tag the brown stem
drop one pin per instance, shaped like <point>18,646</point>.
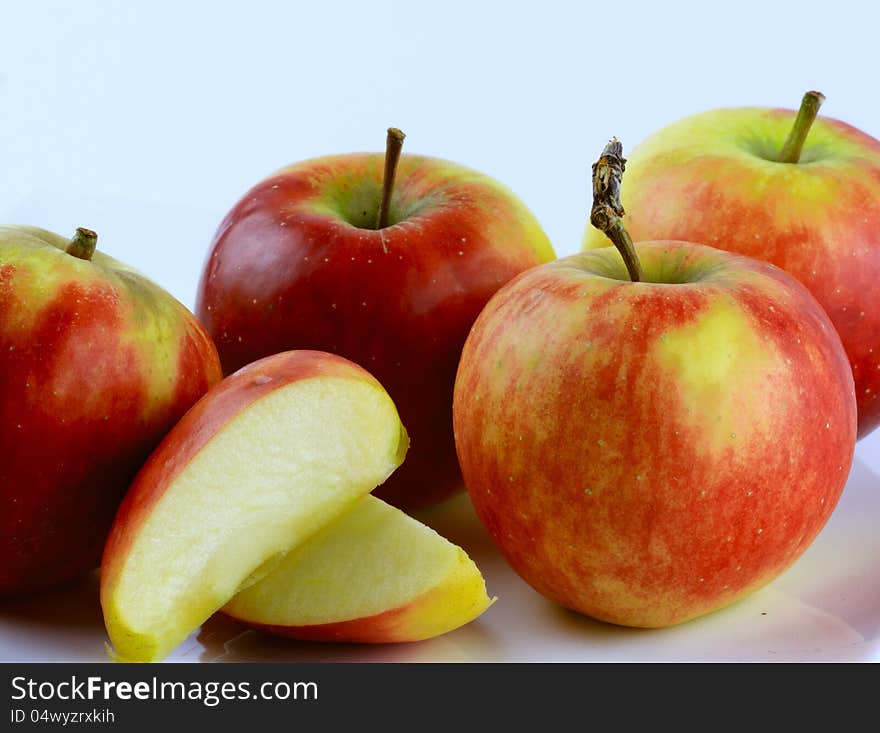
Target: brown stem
<point>393,146</point>
<point>83,244</point>
<point>794,144</point>
<point>607,212</point>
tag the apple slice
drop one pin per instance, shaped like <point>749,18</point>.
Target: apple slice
<point>373,575</point>
<point>265,459</point>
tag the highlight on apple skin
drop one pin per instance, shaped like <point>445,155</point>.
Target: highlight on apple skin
<point>301,262</point>
<point>719,178</point>
<point>647,452</point>
<point>269,456</point>
<point>97,363</point>
<point>375,575</point>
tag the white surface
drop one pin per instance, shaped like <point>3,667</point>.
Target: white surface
<point>146,121</point>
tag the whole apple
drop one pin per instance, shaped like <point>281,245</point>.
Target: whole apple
<point>647,452</point>
<point>303,262</point>
<point>775,185</point>
<point>96,364</point>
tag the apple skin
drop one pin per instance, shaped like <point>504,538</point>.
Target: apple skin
<point>710,178</point>
<point>645,453</point>
<point>291,267</point>
<point>96,364</point>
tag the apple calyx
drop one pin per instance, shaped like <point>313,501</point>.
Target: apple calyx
<point>83,244</point>
<point>607,212</point>
<point>393,146</point>
<point>794,144</point>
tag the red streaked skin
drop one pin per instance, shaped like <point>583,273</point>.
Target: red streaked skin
<point>96,365</point>
<point>393,626</point>
<point>708,179</point>
<point>647,453</point>
<point>211,413</point>
<point>286,270</point>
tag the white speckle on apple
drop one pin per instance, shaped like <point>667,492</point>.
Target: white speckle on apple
<point>326,259</point>
<point>364,303</point>
<point>827,425</point>
<point>749,492</point>
<point>760,530</point>
<point>600,442</point>
<point>701,580</point>
<point>369,262</point>
<point>464,239</point>
<point>460,253</point>
<point>283,224</point>
<point>333,306</point>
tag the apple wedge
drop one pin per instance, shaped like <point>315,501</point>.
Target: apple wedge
<point>266,458</point>
<point>374,575</point>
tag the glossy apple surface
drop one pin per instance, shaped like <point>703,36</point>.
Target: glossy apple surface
<point>713,178</point>
<point>96,364</point>
<point>375,575</point>
<point>645,453</point>
<point>297,264</point>
<point>266,458</point>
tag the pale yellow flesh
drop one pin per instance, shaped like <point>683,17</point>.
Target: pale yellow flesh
<point>374,559</point>
<point>278,472</point>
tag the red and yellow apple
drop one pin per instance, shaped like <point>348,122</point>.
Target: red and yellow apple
<point>300,262</point>
<point>266,458</point>
<point>720,178</point>
<point>647,452</point>
<point>96,364</point>
<point>375,575</point>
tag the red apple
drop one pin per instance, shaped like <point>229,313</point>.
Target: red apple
<point>96,364</point>
<point>722,178</point>
<point>647,452</point>
<point>300,263</point>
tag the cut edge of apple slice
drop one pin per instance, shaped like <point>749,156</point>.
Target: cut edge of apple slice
<point>374,575</point>
<point>283,467</point>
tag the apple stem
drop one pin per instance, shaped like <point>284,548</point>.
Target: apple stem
<point>83,244</point>
<point>607,212</point>
<point>393,146</point>
<point>794,144</point>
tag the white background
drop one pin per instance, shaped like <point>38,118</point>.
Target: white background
<point>147,120</point>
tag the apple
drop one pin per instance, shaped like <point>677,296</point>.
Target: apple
<point>374,575</point>
<point>774,185</point>
<point>645,452</point>
<point>96,364</point>
<point>267,457</point>
<point>301,262</point>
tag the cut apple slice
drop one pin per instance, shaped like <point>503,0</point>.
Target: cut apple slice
<point>265,459</point>
<point>373,575</point>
